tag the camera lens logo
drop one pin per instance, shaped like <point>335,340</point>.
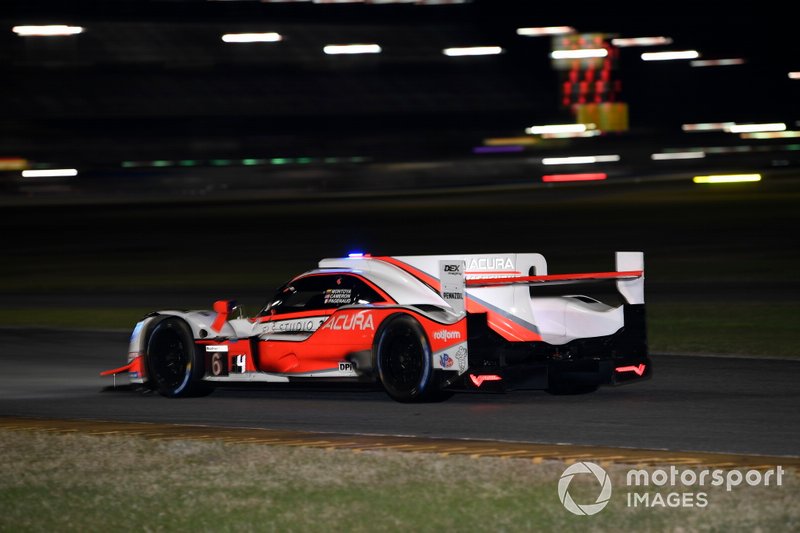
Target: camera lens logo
<point>590,508</point>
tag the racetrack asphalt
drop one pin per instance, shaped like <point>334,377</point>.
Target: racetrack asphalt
<point>731,405</point>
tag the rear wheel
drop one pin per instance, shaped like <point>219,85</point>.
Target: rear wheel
<point>173,363</point>
<point>403,359</point>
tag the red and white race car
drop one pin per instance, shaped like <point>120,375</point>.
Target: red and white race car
<point>422,326</point>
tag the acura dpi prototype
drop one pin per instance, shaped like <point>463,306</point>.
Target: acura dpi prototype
<point>421,326</point>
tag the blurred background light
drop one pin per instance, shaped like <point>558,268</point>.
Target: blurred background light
<point>668,56</point>
<point>52,30</point>
<point>557,128</point>
<point>572,135</point>
<point>794,75</point>
<point>269,37</point>
<point>717,62</point>
<point>663,156</point>
<point>580,160</point>
<point>589,176</point>
<point>337,49</point>
<point>770,134</point>
<point>546,30</point>
<point>50,173</point>
<point>707,126</point>
<point>641,41</point>
<point>581,53</point>
<point>472,51</point>
<point>13,163</point>
<point>727,178</point>
<point>510,148</point>
<point>750,128</point>
<point>504,141</point>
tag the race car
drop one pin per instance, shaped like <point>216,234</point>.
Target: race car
<point>423,327</point>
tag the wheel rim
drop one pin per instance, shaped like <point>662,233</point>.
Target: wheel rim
<point>404,360</point>
<point>170,358</point>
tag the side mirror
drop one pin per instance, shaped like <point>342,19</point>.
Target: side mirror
<point>223,308</point>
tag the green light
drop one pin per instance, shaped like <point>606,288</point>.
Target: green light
<point>188,162</point>
<point>251,162</point>
<point>129,164</point>
<point>220,162</point>
<point>331,160</point>
<point>280,160</point>
<point>304,160</point>
<point>358,159</point>
<point>162,163</point>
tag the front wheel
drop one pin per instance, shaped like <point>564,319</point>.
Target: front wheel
<point>173,363</point>
<point>404,362</point>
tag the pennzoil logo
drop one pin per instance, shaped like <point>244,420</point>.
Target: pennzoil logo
<point>349,322</point>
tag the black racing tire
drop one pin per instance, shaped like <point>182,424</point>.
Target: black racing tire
<point>175,367</point>
<point>404,363</point>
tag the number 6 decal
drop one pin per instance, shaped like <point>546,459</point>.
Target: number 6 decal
<point>216,364</point>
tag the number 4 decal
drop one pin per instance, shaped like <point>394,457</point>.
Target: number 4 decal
<point>240,361</point>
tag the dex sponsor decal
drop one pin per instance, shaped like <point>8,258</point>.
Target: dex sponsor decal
<point>662,487</point>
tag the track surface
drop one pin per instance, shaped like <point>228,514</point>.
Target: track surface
<point>703,404</point>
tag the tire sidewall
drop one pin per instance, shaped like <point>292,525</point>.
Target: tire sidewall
<point>425,385</point>
<point>190,384</point>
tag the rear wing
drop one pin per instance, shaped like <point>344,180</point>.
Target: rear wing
<point>629,276</point>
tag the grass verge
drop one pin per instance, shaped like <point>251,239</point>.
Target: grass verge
<point>743,328</point>
<point>83,483</point>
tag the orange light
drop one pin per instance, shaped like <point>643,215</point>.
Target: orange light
<point>13,163</point>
